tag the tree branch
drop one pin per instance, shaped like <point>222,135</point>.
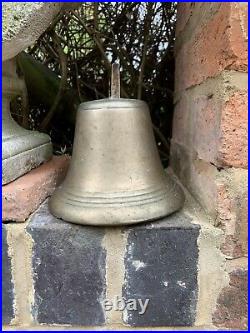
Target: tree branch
<point>63,82</point>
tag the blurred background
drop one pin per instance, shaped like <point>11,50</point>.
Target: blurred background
<point>71,63</point>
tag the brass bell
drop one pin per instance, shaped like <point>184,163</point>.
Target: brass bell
<point>115,175</point>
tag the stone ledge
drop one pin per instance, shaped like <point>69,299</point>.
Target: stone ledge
<point>23,196</point>
<point>70,269</point>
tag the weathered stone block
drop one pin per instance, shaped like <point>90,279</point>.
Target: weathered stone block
<point>161,265</point>
<point>7,285</point>
<point>23,196</point>
<point>69,271</point>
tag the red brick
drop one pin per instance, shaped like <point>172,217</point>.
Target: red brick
<point>233,141</point>
<point>232,205</point>
<point>210,121</point>
<point>217,45</point>
<point>23,196</point>
<point>184,11</point>
<point>239,33</point>
<point>215,126</point>
<point>231,310</point>
<point>222,194</point>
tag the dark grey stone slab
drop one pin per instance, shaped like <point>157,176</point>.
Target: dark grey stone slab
<point>161,265</point>
<point>7,285</point>
<point>69,271</point>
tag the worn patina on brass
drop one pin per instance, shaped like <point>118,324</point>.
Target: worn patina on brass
<point>115,176</point>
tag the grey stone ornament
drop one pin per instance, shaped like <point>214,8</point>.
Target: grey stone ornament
<point>22,150</point>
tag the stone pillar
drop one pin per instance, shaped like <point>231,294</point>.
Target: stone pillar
<point>22,149</point>
<point>209,144</point>
<point>23,23</point>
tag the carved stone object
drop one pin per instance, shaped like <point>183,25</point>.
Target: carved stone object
<point>22,25</point>
<point>22,149</point>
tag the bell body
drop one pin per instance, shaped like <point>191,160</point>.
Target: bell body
<point>115,176</point>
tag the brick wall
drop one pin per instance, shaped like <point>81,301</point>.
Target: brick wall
<point>209,144</point>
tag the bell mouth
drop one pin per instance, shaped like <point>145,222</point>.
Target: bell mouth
<point>112,103</point>
<point>117,208</point>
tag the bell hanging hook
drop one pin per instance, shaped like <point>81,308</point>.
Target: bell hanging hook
<point>115,81</point>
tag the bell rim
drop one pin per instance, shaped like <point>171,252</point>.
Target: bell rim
<point>124,212</point>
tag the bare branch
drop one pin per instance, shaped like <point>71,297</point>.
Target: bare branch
<point>63,83</point>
